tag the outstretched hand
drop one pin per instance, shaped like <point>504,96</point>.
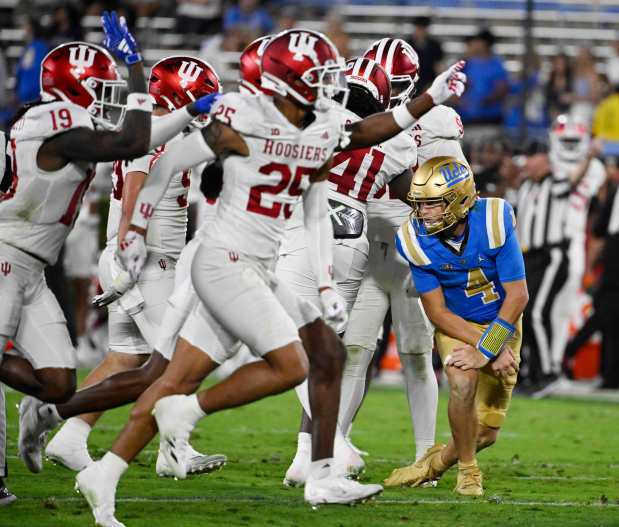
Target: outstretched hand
<point>118,39</point>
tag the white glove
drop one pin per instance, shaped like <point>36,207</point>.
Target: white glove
<point>132,254</point>
<point>334,309</point>
<point>450,82</point>
<point>121,284</point>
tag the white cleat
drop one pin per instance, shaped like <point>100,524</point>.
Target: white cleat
<point>197,463</point>
<point>93,484</point>
<point>338,490</point>
<point>299,469</point>
<point>362,453</point>
<point>32,434</point>
<point>175,426</point>
<point>65,450</point>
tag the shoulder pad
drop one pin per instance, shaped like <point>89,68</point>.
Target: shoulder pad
<point>441,122</point>
<point>411,248</point>
<point>496,209</point>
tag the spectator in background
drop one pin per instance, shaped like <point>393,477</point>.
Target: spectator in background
<point>429,50</point>
<point>66,25</point>
<point>286,19</point>
<point>487,87</point>
<point>559,91</point>
<point>612,65</point>
<point>5,110</point>
<point>248,13</point>
<point>27,82</point>
<point>233,39</point>
<point>606,121</point>
<point>199,16</point>
<point>587,86</point>
<point>488,173</point>
<point>335,31</point>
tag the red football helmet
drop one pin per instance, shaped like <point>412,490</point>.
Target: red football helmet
<point>84,74</point>
<point>371,76</point>
<point>178,80</point>
<point>401,63</point>
<point>249,65</point>
<point>305,66</point>
<point>570,140</point>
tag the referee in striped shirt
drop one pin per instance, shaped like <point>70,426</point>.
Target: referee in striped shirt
<point>541,210</point>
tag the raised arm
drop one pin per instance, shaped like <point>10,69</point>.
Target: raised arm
<point>379,127</point>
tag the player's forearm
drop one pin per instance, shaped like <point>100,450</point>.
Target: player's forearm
<point>378,128</point>
<point>513,305</point>
<point>131,190</point>
<point>454,326</point>
<point>319,233</point>
<point>168,126</point>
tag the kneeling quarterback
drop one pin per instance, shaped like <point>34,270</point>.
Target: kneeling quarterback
<point>467,265</point>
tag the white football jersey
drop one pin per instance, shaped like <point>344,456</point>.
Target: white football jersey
<point>260,191</point>
<point>167,227</point>
<point>39,209</point>
<point>437,133</point>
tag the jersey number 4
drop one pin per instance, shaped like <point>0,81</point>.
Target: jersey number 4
<point>478,284</point>
<point>286,183</point>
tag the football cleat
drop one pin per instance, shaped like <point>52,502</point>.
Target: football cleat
<point>338,490</point>
<point>175,426</point>
<point>347,461</point>
<point>429,467</point>
<point>65,450</point>
<point>100,494</point>
<point>469,482</point>
<point>299,469</point>
<point>196,464</point>
<point>6,496</point>
<point>32,434</point>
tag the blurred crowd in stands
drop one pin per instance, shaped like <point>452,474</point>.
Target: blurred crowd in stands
<point>503,114</point>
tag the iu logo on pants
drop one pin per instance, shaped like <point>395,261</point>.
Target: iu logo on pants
<point>163,264</point>
<point>234,257</point>
<point>5,268</point>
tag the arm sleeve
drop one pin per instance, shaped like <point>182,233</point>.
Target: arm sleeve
<point>319,232</point>
<point>180,155</point>
<point>168,126</point>
<point>509,260</point>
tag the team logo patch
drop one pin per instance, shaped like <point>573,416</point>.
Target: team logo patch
<point>302,45</point>
<point>146,210</point>
<point>163,264</point>
<point>81,57</point>
<point>454,173</point>
<point>5,268</point>
<point>189,73</point>
<point>234,257</point>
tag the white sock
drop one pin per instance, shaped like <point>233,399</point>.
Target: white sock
<point>77,429</point>
<point>353,383</point>
<point>304,442</point>
<point>49,414</point>
<point>114,466</point>
<point>195,410</point>
<point>303,395</point>
<point>321,468</point>
<point>422,393</point>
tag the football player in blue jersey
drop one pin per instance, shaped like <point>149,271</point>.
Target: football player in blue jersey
<point>468,268</point>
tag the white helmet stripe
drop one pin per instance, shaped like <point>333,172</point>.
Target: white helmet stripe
<point>357,67</point>
<point>381,49</point>
<point>393,46</point>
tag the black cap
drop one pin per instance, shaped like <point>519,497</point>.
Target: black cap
<point>483,34</point>
<point>423,21</point>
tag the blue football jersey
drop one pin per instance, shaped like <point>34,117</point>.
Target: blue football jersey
<point>472,277</point>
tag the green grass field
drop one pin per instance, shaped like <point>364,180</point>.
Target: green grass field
<point>557,463</point>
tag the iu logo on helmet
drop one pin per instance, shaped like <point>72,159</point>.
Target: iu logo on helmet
<point>188,72</point>
<point>146,210</point>
<point>81,57</point>
<point>302,45</point>
<point>5,268</point>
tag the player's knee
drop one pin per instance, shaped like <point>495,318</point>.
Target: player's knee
<point>463,386</point>
<point>59,385</point>
<point>327,353</point>
<point>358,359</point>
<point>297,371</point>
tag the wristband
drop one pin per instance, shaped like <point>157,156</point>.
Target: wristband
<point>139,101</point>
<point>134,58</point>
<point>495,337</point>
<point>403,117</point>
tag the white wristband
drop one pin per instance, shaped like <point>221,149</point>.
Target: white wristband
<point>403,117</point>
<point>139,101</point>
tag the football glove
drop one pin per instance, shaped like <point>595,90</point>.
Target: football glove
<point>121,284</point>
<point>118,39</point>
<point>334,309</point>
<point>450,82</point>
<point>132,254</point>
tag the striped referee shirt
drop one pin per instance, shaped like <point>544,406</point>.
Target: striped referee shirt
<point>541,210</point>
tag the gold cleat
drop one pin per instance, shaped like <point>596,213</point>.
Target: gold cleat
<point>429,467</point>
<point>469,481</point>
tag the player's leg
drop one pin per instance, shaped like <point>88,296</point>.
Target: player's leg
<point>6,497</point>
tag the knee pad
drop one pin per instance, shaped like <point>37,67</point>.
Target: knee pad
<point>357,361</point>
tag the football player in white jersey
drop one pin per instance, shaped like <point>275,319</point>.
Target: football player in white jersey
<point>53,148</point>
<point>134,317</point>
<point>354,179</point>
<point>387,281</point>
<point>572,158</point>
<point>274,150</point>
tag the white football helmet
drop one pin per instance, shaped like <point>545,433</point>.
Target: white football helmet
<point>569,140</point>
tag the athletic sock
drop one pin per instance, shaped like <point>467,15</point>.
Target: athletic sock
<point>114,466</point>
<point>78,429</point>
<point>193,406</point>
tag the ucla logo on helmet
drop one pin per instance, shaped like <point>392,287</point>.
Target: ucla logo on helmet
<point>454,173</point>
